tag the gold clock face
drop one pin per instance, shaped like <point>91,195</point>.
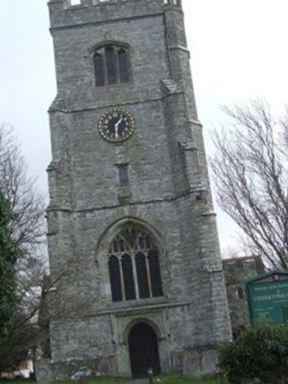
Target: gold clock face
<point>116,126</point>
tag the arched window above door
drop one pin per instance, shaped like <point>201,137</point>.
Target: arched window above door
<point>111,65</point>
<point>134,267</point>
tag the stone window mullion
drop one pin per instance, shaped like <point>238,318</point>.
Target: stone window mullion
<point>116,52</point>
<point>122,279</point>
<point>103,51</point>
<point>135,276</point>
<point>148,274</point>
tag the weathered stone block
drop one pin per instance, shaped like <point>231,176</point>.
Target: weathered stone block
<point>200,362</point>
<point>44,374</point>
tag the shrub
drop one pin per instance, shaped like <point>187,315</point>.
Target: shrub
<point>260,352</point>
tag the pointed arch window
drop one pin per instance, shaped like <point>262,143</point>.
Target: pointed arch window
<point>111,65</point>
<point>134,267</point>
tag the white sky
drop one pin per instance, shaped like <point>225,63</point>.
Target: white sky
<point>237,48</point>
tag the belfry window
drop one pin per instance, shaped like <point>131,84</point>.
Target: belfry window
<point>99,69</point>
<point>134,267</point>
<point>111,65</point>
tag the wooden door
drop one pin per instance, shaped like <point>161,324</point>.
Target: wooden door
<point>143,349</point>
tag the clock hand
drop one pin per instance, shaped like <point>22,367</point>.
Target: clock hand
<point>116,128</point>
<point>116,131</point>
<point>117,124</point>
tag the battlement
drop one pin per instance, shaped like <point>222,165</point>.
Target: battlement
<point>70,13</point>
<point>68,4</point>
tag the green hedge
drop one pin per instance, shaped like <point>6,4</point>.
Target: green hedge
<point>260,352</point>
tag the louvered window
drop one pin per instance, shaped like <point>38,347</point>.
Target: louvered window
<point>99,69</point>
<point>111,65</point>
<point>134,266</point>
<point>123,65</point>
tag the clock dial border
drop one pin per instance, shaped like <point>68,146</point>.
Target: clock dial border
<point>104,128</point>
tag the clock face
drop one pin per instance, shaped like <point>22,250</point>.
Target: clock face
<point>116,126</point>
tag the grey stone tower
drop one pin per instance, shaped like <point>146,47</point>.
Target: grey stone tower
<point>133,243</point>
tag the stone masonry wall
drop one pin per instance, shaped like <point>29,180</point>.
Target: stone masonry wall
<point>168,193</point>
<point>238,270</point>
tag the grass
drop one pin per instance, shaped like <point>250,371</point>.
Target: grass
<point>165,379</point>
<point>176,379</point>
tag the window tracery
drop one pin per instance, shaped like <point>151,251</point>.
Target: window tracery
<point>134,267</point>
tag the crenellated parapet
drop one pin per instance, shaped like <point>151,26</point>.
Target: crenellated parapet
<point>70,13</point>
<point>79,3</point>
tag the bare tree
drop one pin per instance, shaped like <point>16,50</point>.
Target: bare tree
<point>27,230</point>
<point>28,206</point>
<point>25,201</point>
<point>30,327</point>
<point>251,178</point>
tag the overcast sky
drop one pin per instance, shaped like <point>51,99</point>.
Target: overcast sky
<point>238,52</point>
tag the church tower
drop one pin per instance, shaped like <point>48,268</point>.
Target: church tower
<point>133,245</point>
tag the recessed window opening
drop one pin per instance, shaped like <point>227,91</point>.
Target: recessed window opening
<point>240,293</point>
<point>111,65</point>
<point>123,174</point>
<point>99,69</point>
<point>134,267</point>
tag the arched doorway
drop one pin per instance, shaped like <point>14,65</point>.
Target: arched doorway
<point>143,350</point>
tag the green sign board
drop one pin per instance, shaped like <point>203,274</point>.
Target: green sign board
<point>268,298</point>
